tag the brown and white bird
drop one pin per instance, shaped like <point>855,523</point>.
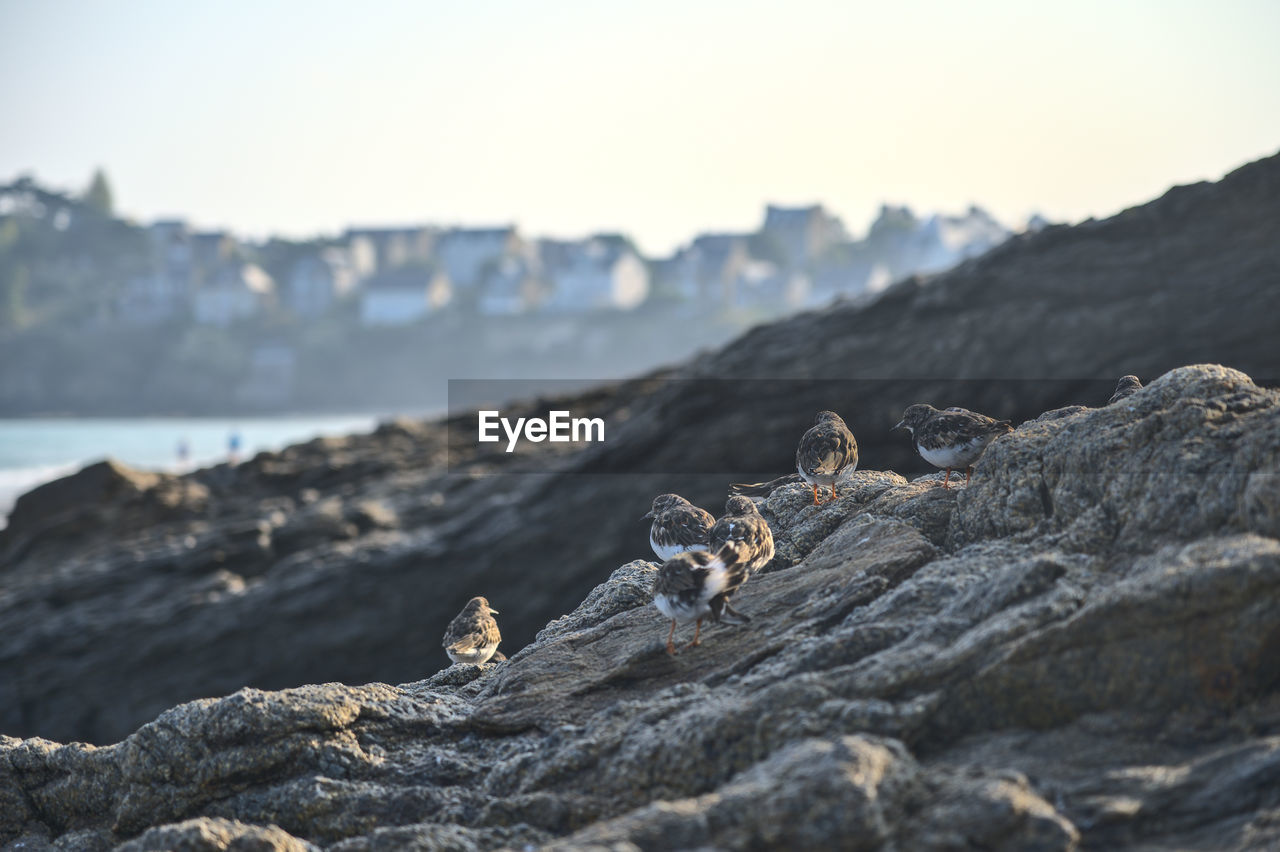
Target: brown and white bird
<point>825,451</point>
<point>693,585</point>
<point>1127,386</point>
<point>473,635</point>
<point>743,525</point>
<point>678,526</point>
<point>951,439</point>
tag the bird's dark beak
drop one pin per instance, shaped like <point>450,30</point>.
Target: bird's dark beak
<point>901,425</point>
<point>648,516</point>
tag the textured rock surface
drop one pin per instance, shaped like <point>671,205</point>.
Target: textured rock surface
<point>338,560</point>
<point>980,667</point>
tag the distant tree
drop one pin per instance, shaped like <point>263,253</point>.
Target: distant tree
<point>98,197</point>
<point>13,295</point>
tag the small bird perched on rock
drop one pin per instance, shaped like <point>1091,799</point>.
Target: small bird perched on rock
<point>473,635</point>
<point>1127,386</point>
<point>825,451</point>
<point>678,526</point>
<point>743,525</point>
<point>695,584</point>
<point>955,438</point>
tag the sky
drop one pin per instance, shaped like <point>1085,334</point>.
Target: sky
<point>659,119</point>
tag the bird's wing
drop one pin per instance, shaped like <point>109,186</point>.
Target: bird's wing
<point>825,448</point>
<point>686,526</point>
<point>961,425</point>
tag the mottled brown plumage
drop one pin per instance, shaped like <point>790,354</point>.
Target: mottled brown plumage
<point>826,450</point>
<point>1127,386</point>
<point>695,584</point>
<point>678,525</point>
<point>951,439</point>
<point>742,523</point>
<point>472,636</point>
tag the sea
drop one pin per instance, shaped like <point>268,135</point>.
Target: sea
<point>35,451</point>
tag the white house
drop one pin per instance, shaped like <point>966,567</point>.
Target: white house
<point>151,299</point>
<point>210,251</point>
<point>403,296</point>
<point>464,254</point>
<point>764,286</point>
<point>234,291</point>
<point>509,287</point>
<point>802,233</point>
<point>598,274</point>
<point>705,272</point>
<point>319,280</point>
<point>393,247</point>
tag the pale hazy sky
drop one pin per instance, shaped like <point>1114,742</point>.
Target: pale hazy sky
<point>657,118</point>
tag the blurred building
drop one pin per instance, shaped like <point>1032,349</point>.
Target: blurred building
<point>317,281</point>
<point>802,234</point>
<point>403,296</point>
<point>600,273</point>
<point>234,291</point>
<point>764,286</point>
<point>510,286</point>
<point>163,293</point>
<point>210,251</point>
<point>391,247</point>
<point>466,254</point>
<point>703,274</point>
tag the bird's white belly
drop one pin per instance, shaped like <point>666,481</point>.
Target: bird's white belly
<point>476,656</point>
<point>674,609</point>
<point>824,478</point>
<point>666,551</point>
<point>958,456</point>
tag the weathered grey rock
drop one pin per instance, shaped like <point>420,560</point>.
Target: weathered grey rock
<point>1178,459</point>
<point>167,591</point>
<point>216,835</point>
<point>1080,642</point>
<point>933,672</point>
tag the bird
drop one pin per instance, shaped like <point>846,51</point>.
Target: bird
<point>678,525</point>
<point>743,525</point>
<point>472,636</point>
<point>955,438</point>
<point>695,584</point>
<point>827,449</point>
<point>1127,386</point>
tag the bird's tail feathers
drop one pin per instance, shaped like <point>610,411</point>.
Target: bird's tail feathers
<point>760,490</point>
<point>731,559</point>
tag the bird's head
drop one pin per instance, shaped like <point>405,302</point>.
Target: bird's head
<point>915,416</point>
<point>739,505</point>
<point>662,503</point>
<point>480,604</point>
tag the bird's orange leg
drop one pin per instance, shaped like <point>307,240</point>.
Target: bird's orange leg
<point>696,630</point>
<point>968,473</point>
<point>815,495</point>
<point>946,482</point>
<point>671,648</point>
<point>833,492</point>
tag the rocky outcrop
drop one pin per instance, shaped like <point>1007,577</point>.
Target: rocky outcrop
<point>342,559</point>
<point>1077,650</point>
